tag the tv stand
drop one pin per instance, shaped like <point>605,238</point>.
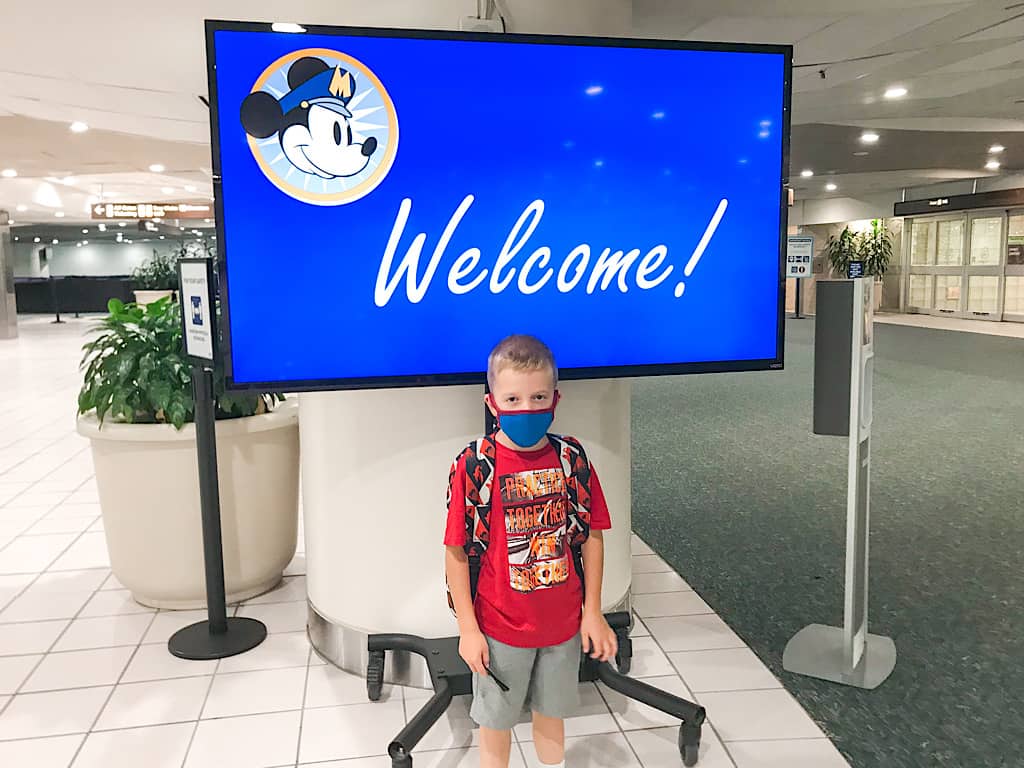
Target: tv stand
<point>451,677</point>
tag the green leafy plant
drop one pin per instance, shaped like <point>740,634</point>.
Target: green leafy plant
<point>134,371</point>
<point>158,273</point>
<point>876,249</point>
<point>873,248</point>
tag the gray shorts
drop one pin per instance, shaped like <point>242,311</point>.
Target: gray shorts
<point>544,680</point>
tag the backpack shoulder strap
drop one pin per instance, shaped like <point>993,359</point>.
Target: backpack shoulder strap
<point>480,457</point>
<point>576,467</point>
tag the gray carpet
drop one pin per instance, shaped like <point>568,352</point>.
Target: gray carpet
<point>749,506</point>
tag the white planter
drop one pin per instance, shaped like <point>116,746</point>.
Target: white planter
<point>148,297</point>
<point>879,285</point>
<point>149,495</point>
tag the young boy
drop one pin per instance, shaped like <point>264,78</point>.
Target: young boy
<point>523,634</point>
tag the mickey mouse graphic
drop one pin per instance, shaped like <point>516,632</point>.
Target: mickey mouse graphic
<point>312,120</point>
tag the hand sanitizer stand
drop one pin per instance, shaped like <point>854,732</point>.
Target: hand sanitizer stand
<point>843,372</point>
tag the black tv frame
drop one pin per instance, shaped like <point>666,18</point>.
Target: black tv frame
<point>479,377</point>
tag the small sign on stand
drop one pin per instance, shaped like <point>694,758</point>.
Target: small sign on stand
<point>218,636</point>
<point>799,262</point>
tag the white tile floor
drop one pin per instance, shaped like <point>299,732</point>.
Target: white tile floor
<point>86,680</point>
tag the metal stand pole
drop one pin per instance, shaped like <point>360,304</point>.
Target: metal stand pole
<point>218,636</point>
<point>56,304</point>
<point>798,315</point>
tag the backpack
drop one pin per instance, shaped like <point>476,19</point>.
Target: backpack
<point>479,466</point>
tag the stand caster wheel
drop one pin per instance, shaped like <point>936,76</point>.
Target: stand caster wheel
<point>375,680</point>
<point>624,658</point>
<point>689,744</point>
<point>400,758</point>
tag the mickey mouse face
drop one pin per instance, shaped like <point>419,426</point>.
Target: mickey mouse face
<point>312,121</point>
<point>324,145</point>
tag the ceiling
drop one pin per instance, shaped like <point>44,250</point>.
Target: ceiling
<point>135,73</point>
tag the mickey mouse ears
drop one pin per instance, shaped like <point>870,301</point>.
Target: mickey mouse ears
<point>331,89</point>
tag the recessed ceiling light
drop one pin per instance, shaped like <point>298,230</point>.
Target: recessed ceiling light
<point>36,239</point>
<point>995,149</point>
<point>78,244</point>
<point>161,237</point>
<point>55,241</point>
<point>830,187</point>
<point>861,154</point>
<point>122,224</point>
<point>992,165</point>
<point>594,90</point>
<point>59,214</point>
<point>167,190</point>
<point>286,26</point>
<point>85,231</point>
<point>102,227</point>
<point>85,242</point>
<point>869,137</point>
<point>896,92</point>
<point>22,208</point>
<point>8,173</point>
<point>807,173</point>
<point>79,127</point>
<point>157,168</point>
<point>658,115</point>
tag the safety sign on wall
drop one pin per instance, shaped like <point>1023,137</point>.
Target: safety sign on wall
<point>799,255</point>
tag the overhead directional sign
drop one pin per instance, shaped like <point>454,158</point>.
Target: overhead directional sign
<point>109,211</point>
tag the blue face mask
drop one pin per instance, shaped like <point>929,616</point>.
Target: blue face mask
<point>526,428</point>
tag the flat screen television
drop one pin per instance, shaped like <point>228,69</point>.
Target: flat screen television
<point>391,203</point>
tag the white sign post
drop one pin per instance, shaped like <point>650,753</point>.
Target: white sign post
<point>197,308</point>
<point>218,636</point>
<point>799,257</point>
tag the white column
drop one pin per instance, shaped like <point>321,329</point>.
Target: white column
<point>8,308</point>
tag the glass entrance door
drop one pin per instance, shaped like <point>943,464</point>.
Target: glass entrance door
<point>1013,301</point>
<point>956,266</point>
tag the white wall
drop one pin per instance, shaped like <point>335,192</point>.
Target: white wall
<point>841,209</point>
<point>966,187</point>
<point>90,260</point>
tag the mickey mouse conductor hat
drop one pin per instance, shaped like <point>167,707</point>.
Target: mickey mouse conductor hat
<point>331,89</point>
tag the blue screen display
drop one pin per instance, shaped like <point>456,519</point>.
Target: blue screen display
<point>391,207</point>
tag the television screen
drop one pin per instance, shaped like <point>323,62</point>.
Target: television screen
<point>393,203</point>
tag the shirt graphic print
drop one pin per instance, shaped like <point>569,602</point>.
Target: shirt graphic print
<point>536,507</point>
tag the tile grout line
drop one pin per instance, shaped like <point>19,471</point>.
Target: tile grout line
<point>199,715</point>
<point>707,723</point>
<point>59,636</point>
<point>305,695</point>
<point>113,688</point>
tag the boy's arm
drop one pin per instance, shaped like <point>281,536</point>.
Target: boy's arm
<point>456,564</point>
<point>598,638</point>
<point>593,572</point>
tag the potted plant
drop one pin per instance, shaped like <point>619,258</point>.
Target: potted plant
<point>872,247</point>
<point>136,408</point>
<point>156,278</point>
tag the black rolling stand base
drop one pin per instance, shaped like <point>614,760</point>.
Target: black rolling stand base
<point>451,677</point>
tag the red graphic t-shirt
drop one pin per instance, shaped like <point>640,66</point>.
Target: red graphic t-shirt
<point>529,594</point>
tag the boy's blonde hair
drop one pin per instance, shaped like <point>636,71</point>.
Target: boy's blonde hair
<point>521,353</point>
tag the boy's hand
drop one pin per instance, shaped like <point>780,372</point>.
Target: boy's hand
<point>599,639</point>
<point>474,651</point>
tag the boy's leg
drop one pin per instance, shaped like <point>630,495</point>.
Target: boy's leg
<point>495,747</point>
<point>497,711</point>
<point>549,739</point>
<point>554,695</point>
